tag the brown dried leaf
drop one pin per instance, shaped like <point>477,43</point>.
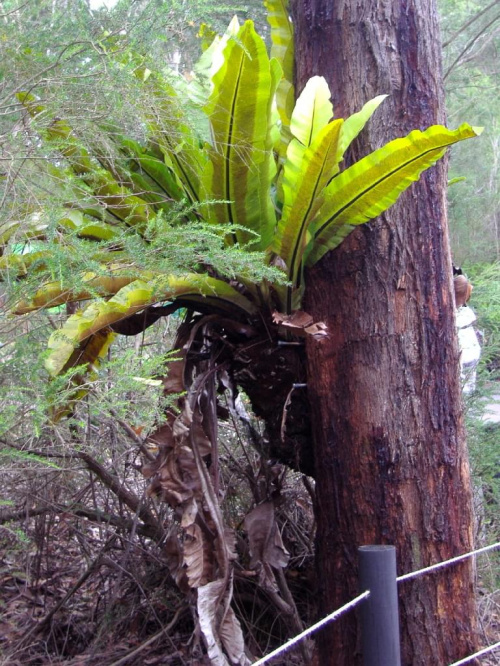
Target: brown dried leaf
<point>179,477</point>
<point>200,439</point>
<point>162,438</point>
<point>298,319</point>
<point>317,330</point>
<point>230,538</point>
<point>301,323</point>
<point>189,514</point>
<point>173,555</point>
<point>219,625</point>
<point>226,548</point>
<point>266,545</point>
<point>174,381</point>
<point>197,556</point>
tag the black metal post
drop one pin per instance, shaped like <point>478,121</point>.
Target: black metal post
<point>379,613</point>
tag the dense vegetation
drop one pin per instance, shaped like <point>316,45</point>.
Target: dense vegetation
<point>88,566</point>
<point>471,33</point>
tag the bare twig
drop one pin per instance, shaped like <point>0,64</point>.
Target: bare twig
<point>94,565</point>
<point>13,11</point>
<point>94,515</point>
<point>153,639</point>
<point>460,58</point>
<point>469,23</point>
<point>133,435</point>
<point>130,499</point>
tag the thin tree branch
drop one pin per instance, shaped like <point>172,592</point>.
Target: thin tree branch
<point>130,499</point>
<point>94,515</point>
<point>459,59</point>
<point>94,565</point>
<point>469,22</point>
<point>133,435</point>
<point>13,11</point>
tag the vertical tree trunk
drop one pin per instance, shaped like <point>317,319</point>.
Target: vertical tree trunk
<point>389,443</point>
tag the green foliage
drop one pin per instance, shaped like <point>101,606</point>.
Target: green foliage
<point>23,380</point>
<point>471,45</point>
<point>19,535</point>
<point>124,204</point>
<point>13,456</point>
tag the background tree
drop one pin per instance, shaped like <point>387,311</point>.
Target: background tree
<point>384,390</point>
<point>471,41</point>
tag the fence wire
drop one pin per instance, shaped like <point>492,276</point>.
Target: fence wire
<point>446,563</point>
<point>481,653</point>
<point>329,618</point>
<point>400,579</point>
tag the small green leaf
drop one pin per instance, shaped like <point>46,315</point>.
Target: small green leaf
<point>454,181</point>
<point>312,111</point>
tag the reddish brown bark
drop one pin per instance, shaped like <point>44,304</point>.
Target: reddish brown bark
<point>391,461</point>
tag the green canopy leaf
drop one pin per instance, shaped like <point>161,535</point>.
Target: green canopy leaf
<point>53,294</point>
<point>372,185</point>
<point>354,124</point>
<point>241,164</point>
<point>301,202</point>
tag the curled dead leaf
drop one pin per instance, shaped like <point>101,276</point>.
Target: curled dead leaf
<point>266,546</point>
<point>174,381</point>
<point>301,323</point>
<point>220,626</point>
<point>197,556</point>
<point>174,558</point>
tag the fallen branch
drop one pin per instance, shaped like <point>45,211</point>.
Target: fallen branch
<point>130,499</point>
<point>94,515</point>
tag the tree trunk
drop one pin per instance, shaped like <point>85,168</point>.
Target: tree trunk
<point>384,387</point>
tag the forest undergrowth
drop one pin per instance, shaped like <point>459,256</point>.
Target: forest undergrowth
<point>89,572</point>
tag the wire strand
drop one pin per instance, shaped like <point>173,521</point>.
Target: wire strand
<point>482,652</point>
<point>440,565</point>
<point>329,618</point>
<point>340,611</point>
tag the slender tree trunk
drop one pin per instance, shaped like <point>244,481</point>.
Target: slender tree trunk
<point>384,388</point>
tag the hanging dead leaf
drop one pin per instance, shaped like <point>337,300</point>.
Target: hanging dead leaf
<point>174,558</point>
<point>175,476</point>
<point>189,514</point>
<point>298,319</point>
<point>318,330</point>
<point>200,439</point>
<point>197,556</point>
<point>174,380</point>
<point>301,323</point>
<point>163,436</point>
<point>219,625</point>
<point>266,545</point>
<point>228,544</point>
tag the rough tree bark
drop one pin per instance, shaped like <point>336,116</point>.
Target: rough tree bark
<point>384,388</point>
